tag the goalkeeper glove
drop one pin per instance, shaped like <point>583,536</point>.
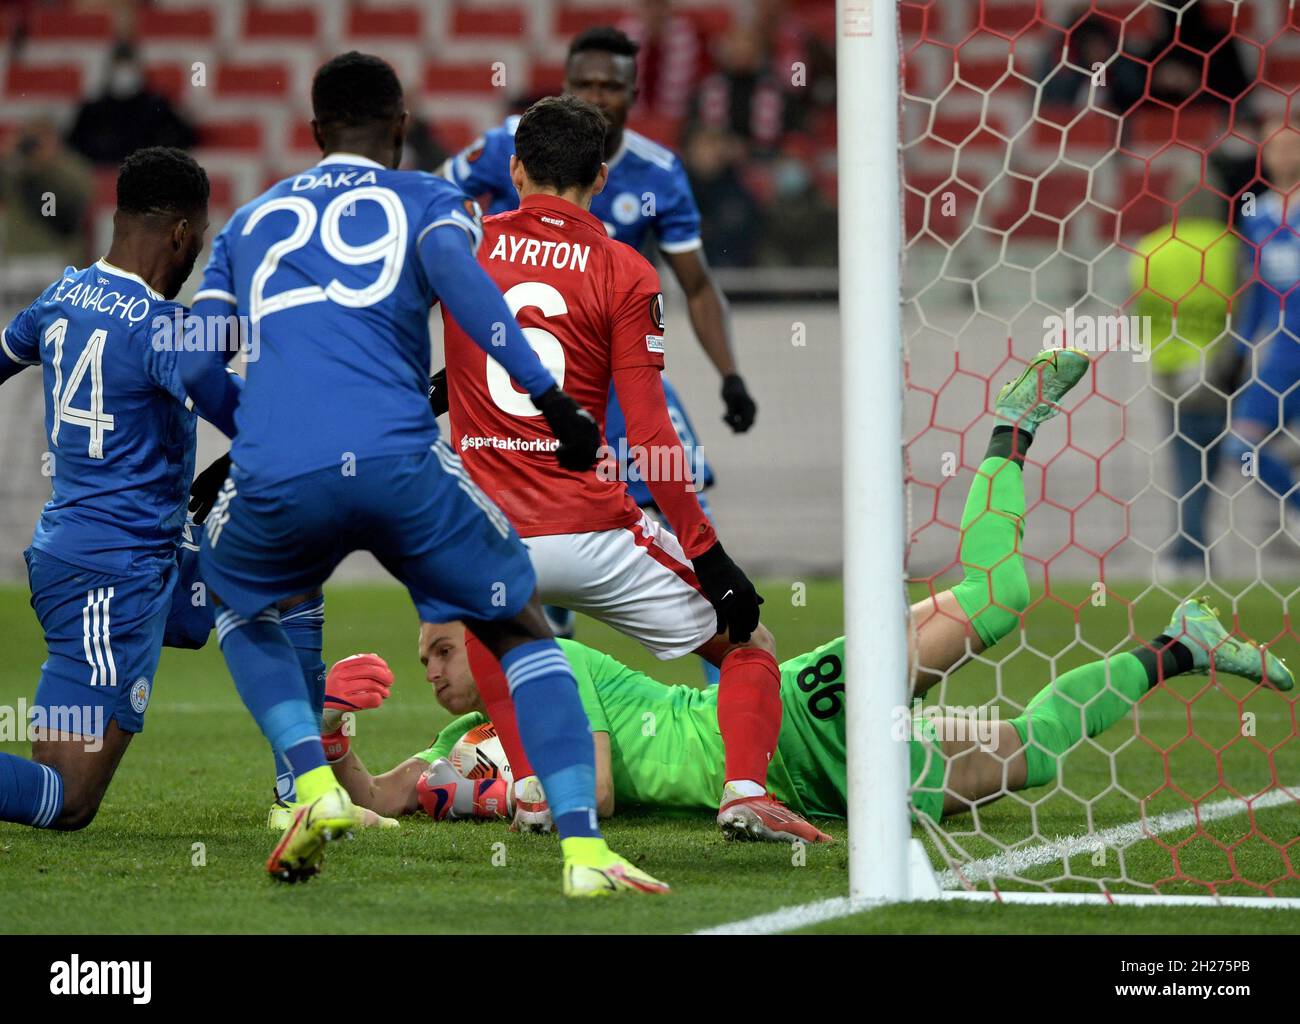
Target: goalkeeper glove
<point>358,683</point>
<point>207,485</point>
<point>741,409</point>
<point>446,794</point>
<point>439,399</point>
<point>573,427</point>
<point>729,591</point>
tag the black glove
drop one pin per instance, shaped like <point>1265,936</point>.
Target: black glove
<point>741,409</point>
<point>439,400</point>
<point>573,427</point>
<point>729,591</point>
<point>207,485</point>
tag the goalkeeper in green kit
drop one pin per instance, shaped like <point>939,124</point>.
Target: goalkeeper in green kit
<point>659,746</point>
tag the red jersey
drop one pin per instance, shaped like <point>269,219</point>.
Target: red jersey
<point>591,308</point>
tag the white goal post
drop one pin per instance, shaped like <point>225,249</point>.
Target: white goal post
<point>875,601</point>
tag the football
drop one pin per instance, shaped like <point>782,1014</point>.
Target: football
<point>479,755</point>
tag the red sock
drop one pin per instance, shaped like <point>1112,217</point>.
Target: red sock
<point>495,691</point>
<point>749,713</point>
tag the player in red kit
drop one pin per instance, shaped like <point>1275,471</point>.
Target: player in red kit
<point>592,309</point>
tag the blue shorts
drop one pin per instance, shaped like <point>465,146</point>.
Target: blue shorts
<point>1272,398</point>
<point>103,634</point>
<point>419,514</point>
<point>191,617</point>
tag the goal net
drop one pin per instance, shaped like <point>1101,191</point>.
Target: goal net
<point>1106,176</point>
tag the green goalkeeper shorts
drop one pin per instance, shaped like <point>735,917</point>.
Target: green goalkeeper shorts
<point>810,762</point>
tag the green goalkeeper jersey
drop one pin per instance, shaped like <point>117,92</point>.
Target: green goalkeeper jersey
<point>665,747</point>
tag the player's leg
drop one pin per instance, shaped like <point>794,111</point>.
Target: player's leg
<point>260,546</point>
<point>1090,699</point>
<point>303,619</point>
<point>987,604</point>
<point>103,635</point>
<point>460,559</point>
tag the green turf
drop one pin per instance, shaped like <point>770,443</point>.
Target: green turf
<point>194,788</point>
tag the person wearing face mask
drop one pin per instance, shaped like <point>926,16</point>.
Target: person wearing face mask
<point>127,115</point>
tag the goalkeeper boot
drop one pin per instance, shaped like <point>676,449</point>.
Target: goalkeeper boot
<point>1034,397</point>
<point>592,869</point>
<point>1196,625</point>
<point>764,818</point>
<point>532,812</point>
<point>298,854</point>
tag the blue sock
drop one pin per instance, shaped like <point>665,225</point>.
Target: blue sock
<point>712,674</point>
<point>30,793</point>
<point>555,732</point>
<point>1276,476</point>
<point>303,625</point>
<point>269,680</point>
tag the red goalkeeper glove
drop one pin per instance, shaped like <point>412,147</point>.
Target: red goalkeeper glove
<point>358,683</point>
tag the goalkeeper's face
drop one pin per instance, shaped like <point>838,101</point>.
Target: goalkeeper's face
<point>446,667</point>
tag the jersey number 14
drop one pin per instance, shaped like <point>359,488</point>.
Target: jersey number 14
<point>62,395</point>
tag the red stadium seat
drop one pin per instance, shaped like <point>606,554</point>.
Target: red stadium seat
<point>238,135</point>
<point>569,21</point>
<point>265,80</point>
<point>271,23</point>
<point>65,25</point>
<point>43,81</point>
<point>193,23</point>
<point>444,76</point>
<point>399,22</point>
<point>488,21</point>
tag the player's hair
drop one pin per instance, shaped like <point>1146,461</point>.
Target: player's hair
<point>560,141</point>
<point>355,90</point>
<point>604,39</point>
<point>161,181</point>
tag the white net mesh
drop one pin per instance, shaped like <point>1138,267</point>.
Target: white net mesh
<point>1088,173</point>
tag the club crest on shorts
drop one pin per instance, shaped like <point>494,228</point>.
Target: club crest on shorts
<point>140,695</point>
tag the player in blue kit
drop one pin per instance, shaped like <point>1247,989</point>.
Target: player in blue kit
<point>1270,400</point>
<point>102,563</point>
<point>335,450</point>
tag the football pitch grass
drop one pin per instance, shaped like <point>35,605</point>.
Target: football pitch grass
<point>180,841</point>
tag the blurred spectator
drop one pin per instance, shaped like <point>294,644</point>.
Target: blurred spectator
<point>45,190</point>
<point>671,61</point>
<point>1176,67</point>
<point>1183,274</point>
<point>797,58</point>
<point>1090,39</point>
<point>126,116</point>
<point>801,228</point>
<point>730,216</point>
<point>743,97</point>
<point>422,151</point>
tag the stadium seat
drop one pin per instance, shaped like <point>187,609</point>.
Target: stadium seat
<point>196,24</point>
<point>279,23</point>
<point>68,25</point>
<point>262,81</point>
<point>49,81</point>
<point>505,22</point>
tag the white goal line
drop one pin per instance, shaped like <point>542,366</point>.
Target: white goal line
<point>807,914</point>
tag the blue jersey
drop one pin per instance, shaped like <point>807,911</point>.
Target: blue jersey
<point>647,188</point>
<point>1273,302</point>
<point>325,268</point>
<point>121,438</point>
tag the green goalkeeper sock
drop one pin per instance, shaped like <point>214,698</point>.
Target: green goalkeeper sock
<point>1080,701</point>
<point>995,590</point>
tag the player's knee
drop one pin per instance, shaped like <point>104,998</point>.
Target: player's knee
<point>78,812</point>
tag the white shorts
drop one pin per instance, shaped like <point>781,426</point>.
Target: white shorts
<point>636,579</point>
